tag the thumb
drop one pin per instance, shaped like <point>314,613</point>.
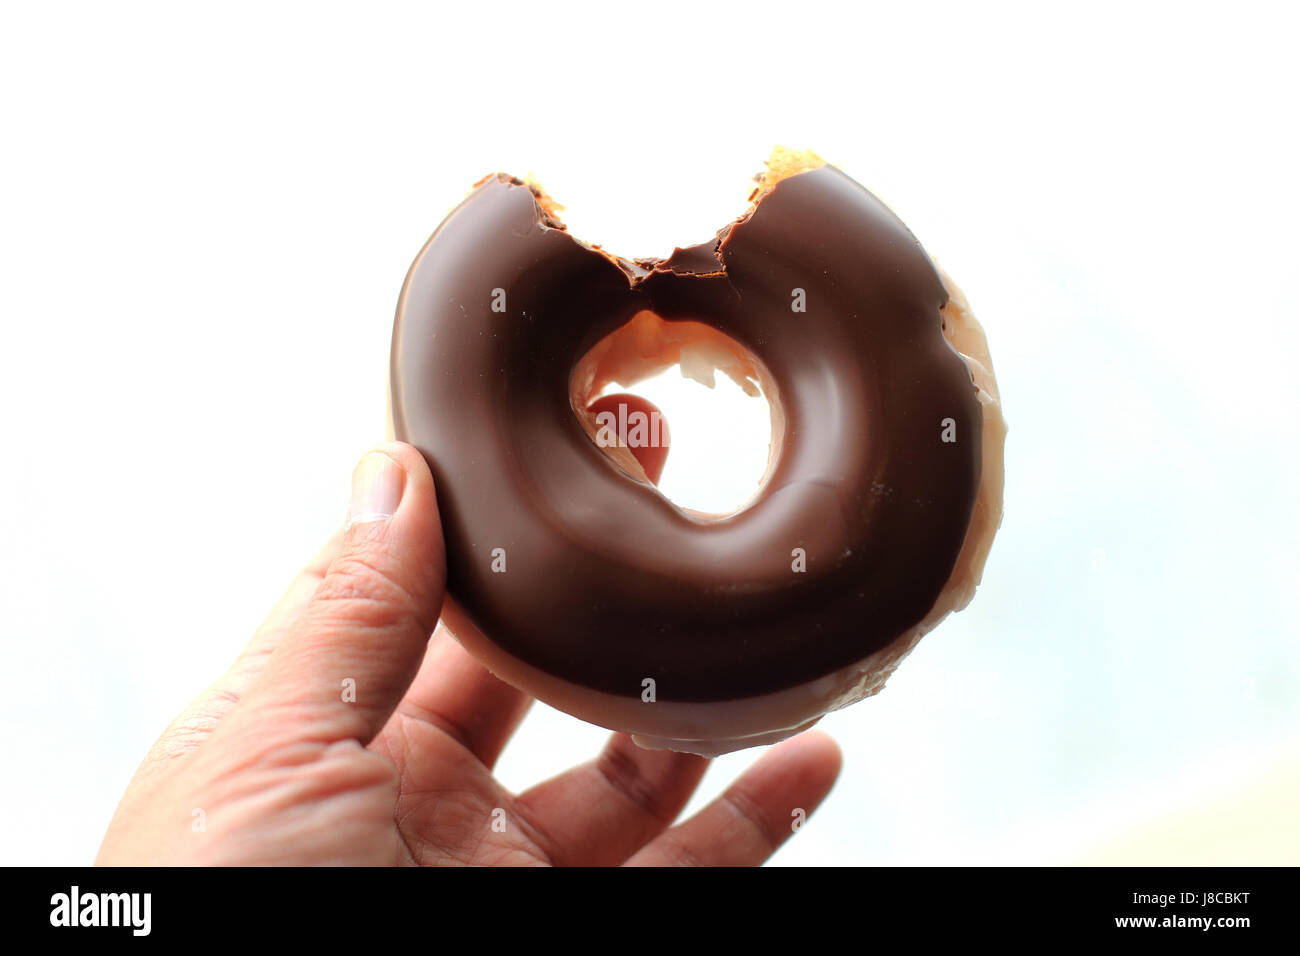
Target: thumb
<point>348,660</point>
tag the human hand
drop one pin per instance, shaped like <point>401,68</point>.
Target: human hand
<point>278,764</point>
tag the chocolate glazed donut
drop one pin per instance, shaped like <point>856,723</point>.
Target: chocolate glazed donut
<point>574,577</point>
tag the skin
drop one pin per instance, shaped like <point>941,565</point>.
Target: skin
<point>652,458</point>
<point>272,766</point>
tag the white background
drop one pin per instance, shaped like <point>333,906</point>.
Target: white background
<point>206,216</point>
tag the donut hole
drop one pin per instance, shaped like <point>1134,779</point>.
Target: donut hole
<point>726,430</point>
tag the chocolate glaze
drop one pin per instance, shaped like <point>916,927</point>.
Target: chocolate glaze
<point>606,581</point>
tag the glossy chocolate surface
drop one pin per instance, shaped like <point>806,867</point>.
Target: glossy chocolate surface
<point>606,582</point>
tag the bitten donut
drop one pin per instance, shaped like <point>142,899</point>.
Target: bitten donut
<point>572,577</point>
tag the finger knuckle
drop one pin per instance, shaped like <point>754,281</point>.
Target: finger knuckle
<point>748,813</point>
<point>626,776</point>
<point>363,590</point>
